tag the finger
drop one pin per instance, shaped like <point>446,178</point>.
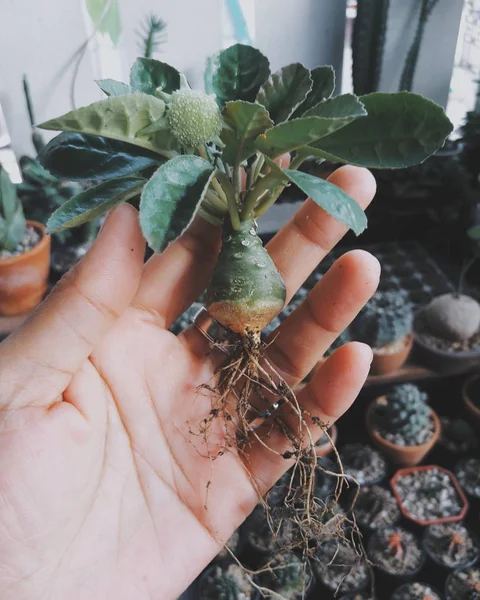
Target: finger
<point>302,339</point>
<point>172,280</point>
<point>312,233</point>
<point>328,395</point>
<point>40,359</point>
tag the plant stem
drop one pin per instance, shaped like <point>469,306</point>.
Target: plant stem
<point>262,186</point>
<point>230,196</point>
<point>256,168</point>
<point>297,161</point>
<point>237,180</point>
<point>215,201</point>
<point>267,201</point>
<point>219,190</point>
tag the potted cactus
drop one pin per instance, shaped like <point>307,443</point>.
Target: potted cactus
<point>376,508</point>
<point>363,463</point>
<point>447,335</point>
<point>450,545</point>
<point>429,495</point>
<point>226,583</point>
<point>287,577</point>
<point>341,568</point>
<point>402,424</point>
<point>24,254</point>
<point>463,585</point>
<point>385,324</point>
<point>396,552</point>
<point>416,591</point>
<point>467,472</point>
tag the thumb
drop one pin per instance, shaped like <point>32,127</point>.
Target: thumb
<point>38,361</point>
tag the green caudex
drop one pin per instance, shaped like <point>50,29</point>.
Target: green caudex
<point>213,155</point>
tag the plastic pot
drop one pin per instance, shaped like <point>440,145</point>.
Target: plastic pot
<point>470,406</point>
<point>24,278</point>
<point>389,362</point>
<point>446,363</point>
<point>405,456</point>
<point>453,518</point>
<point>448,595</point>
<point>444,566</point>
<point>398,590</point>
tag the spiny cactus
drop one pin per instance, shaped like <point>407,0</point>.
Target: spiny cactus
<point>404,417</point>
<point>287,577</point>
<point>12,220</point>
<point>229,583</point>
<point>386,319</point>
<point>368,43</point>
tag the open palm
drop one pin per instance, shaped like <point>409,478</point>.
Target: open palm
<point>103,485</point>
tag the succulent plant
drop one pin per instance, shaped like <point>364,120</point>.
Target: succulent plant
<point>404,414</point>
<point>384,320</point>
<point>454,317</point>
<point>12,220</point>
<point>230,583</point>
<point>287,577</point>
<point>368,44</point>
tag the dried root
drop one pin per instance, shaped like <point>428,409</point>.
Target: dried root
<point>253,403</point>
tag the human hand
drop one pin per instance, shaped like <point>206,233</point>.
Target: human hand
<point>102,485</point>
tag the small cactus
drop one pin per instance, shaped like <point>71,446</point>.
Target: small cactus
<point>12,220</point>
<point>404,417</point>
<point>230,583</point>
<point>287,577</point>
<point>385,319</point>
<point>194,117</point>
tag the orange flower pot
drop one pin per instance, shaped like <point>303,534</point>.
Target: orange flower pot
<point>407,456</point>
<point>24,278</point>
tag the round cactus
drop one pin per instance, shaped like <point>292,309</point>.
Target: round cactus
<point>194,117</point>
<point>453,316</point>
<point>384,320</point>
<point>230,583</point>
<point>404,417</point>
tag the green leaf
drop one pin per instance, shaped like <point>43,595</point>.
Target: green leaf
<point>284,91</point>
<point>94,202</point>
<point>172,197</point>
<point>400,130</point>
<point>331,198</point>
<point>292,135</point>
<point>115,88</point>
<point>78,157</point>
<point>148,74</point>
<point>322,88</point>
<point>119,118</point>
<point>244,121</point>
<point>474,233</point>
<point>105,16</point>
<point>236,73</point>
<point>340,107</point>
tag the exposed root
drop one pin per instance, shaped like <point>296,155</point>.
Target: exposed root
<point>254,404</point>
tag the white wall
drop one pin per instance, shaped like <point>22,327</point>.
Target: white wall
<point>308,31</point>
<point>435,64</point>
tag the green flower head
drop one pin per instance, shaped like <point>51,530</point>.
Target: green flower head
<point>194,117</point>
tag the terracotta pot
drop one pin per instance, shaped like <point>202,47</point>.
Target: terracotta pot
<point>384,363</point>
<point>325,449</point>
<point>407,456</point>
<point>471,407</point>
<point>453,479</point>
<point>24,278</point>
